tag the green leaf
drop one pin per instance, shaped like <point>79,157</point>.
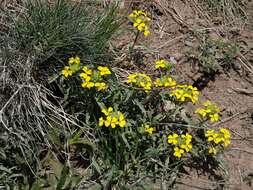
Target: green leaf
<point>136,102</point>
<point>125,141</point>
<point>63,178</point>
<point>96,166</point>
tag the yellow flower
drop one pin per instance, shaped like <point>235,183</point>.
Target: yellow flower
<point>182,143</point>
<point>141,26</point>
<point>140,20</point>
<point>107,111</point>
<point>177,93</point>
<point>173,139</point>
<point>74,60</point>
<point>158,82</point>
<point>84,76</point>
<point>222,137</point>
<point>140,80</point>
<point>132,78</point>
<point>86,70</point>
<point>66,72</point>
<point>90,84</point>
<point>101,122</point>
<point>211,111</point>
<point>146,32</point>
<point>122,121</point>
<point>87,84</point>
<point>108,121</point>
<point>184,93</point>
<point>84,84</point>
<point>113,118</point>
<point>160,64</point>
<point>214,117</point>
<point>201,112</point>
<point>187,148</point>
<point>163,64</point>
<point>226,136</point>
<point>209,133</point>
<point>137,22</point>
<point>207,103</point>
<point>100,86</point>
<point>138,13</point>
<point>185,142</point>
<point>165,81</point>
<point>170,82</point>
<point>226,142</point>
<point>178,152</point>
<point>149,129</point>
<point>212,150</point>
<point>104,70</point>
<point>187,137</point>
<point>225,132</point>
<point>114,121</point>
<point>217,140</point>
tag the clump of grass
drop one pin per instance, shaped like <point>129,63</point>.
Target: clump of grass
<point>25,119</point>
<point>54,31</point>
<point>39,35</point>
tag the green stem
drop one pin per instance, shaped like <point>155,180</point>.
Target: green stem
<point>135,41</point>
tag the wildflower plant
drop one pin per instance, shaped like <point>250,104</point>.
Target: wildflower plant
<point>210,112</point>
<point>163,64</point>
<point>94,78</point>
<point>140,20</point>
<point>165,81</point>
<point>182,144</point>
<point>184,93</point>
<point>73,67</point>
<point>140,80</point>
<point>112,118</point>
<point>131,125</point>
<point>149,129</point>
<point>90,78</point>
<point>218,140</point>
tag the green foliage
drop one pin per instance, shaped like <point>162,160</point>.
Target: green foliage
<point>56,177</point>
<point>129,156</point>
<point>214,56</point>
<point>54,31</point>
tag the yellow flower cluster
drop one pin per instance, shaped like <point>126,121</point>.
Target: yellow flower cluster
<point>140,20</point>
<point>185,93</point>
<point>67,72</point>
<point>149,129</point>
<point>218,138</point>
<point>94,78</point>
<point>182,143</point>
<point>163,64</point>
<point>140,80</point>
<point>74,60</point>
<point>165,81</point>
<point>211,111</point>
<point>112,118</point>
<point>74,66</point>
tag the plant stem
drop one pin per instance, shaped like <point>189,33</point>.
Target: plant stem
<point>135,41</point>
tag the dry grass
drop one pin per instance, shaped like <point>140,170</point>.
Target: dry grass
<point>28,110</point>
